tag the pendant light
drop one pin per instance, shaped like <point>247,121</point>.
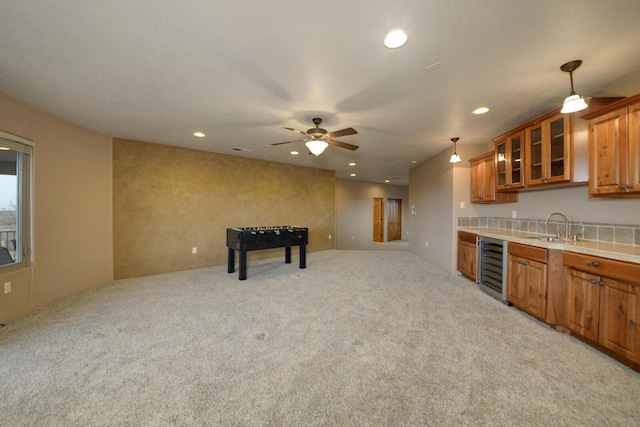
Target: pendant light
<point>454,157</point>
<point>574,102</point>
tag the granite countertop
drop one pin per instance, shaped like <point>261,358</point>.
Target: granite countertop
<point>617,251</point>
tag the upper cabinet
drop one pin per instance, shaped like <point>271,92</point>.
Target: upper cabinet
<point>483,182</point>
<point>509,161</point>
<point>614,149</point>
<point>548,151</point>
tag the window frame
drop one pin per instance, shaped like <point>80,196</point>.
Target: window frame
<point>24,223</point>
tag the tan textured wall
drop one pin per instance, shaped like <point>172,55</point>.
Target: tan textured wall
<point>167,200</point>
<point>72,213</point>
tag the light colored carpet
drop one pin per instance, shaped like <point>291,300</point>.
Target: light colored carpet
<point>359,338</point>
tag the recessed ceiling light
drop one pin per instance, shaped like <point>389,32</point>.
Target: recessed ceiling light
<point>353,174</point>
<point>352,164</point>
<point>395,39</point>
<point>199,134</point>
<point>294,153</point>
<point>387,180</point>
<point>414,161</point>
<point>480,110</point>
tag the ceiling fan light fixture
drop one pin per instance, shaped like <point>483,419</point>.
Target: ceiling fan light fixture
<point>316,146</point>
<point>454,157</point>
<point>395,39</point>
<point>574,102</point>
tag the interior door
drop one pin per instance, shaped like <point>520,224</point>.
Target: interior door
<point>378,219</point>
<point>394,219</point>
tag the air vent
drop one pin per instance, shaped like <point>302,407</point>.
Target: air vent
<point>433,66</point>
<point>240,149</point>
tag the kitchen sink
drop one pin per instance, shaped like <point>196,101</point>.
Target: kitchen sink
<point>547,238</point>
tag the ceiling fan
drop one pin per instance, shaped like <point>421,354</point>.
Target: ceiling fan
<point>317,139</point>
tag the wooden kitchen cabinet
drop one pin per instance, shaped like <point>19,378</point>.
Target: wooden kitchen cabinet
<point>483,181</point>
<point>527,279</point>
<point>508,158</point>
<point>548,151</point>
<point>467,254</point>
<point>602,303</point>
<point>614,150</point>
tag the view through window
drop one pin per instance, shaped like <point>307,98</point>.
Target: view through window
<point>15,159</point>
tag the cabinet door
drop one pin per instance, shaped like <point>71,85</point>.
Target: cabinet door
<point>536,288</point>
<point>515,160</point>
<point>619,317</point>
<point>471,260</point>
<point>489,180</point>
<point>534,160</point>
<point>607,152</point>
<point>509,162</point>
<point>477,181</point>
<point>582,302</point>
<point>516,282</point>
<point>502,182</point>
<point>557,158</point>
<point>633,146</point>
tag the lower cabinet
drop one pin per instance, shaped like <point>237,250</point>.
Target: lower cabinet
<point>602,303</point>
<point>527,279</point>
<point>467,254</point>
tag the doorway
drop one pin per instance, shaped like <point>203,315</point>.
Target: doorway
<point>394,221</point>
<point>378,219</point>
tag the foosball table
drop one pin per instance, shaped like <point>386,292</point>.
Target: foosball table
<point>245,239</point>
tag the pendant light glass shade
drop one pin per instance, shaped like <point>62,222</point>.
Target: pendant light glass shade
<point>574,102</point>
<point>454,157</point>
<point>316,146</point>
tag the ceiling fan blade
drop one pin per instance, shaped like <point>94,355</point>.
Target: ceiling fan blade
<point>287,142</point>
<point>342,144</point>
<point>343,132</point>
<point>296,131</point>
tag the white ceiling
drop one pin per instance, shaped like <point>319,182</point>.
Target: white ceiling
<point>240,71</point>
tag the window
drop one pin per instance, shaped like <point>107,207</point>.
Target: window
<point>15,207</point>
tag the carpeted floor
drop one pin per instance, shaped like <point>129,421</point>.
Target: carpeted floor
<point>359,338</point>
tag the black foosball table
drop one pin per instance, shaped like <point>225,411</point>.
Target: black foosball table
<point>244,239</point>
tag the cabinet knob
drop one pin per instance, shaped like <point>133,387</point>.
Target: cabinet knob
<point>593,281</point>
<point>600,283</point>
<point>594,263</point>
<point>621,187</point>
<point>629,186</point>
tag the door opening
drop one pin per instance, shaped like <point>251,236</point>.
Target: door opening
<point>394,219</point>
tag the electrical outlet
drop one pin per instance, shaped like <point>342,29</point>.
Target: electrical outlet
<point>461,205</point>
<point>329,236</point>
<point>514,214</point>
<point>7,287</point>
<point>194,250</point>
<point>426,244</point>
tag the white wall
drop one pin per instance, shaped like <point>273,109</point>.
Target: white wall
<point>354,211</point>
<point>436,188</point>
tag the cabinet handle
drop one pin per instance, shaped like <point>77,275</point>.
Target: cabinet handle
<point>621,187</point>
<point>593,281</point>
<point>594,263</point>
<point>629,186</point>
<point>600,283</point>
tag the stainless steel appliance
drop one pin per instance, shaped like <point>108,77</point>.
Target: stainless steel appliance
<point>492,267</point>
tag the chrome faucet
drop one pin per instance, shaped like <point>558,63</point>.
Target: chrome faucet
<point>566,223</point>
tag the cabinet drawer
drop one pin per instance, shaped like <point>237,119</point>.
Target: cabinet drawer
<point>529,252</point>
<point>467,237</point>
<point>603,266</point>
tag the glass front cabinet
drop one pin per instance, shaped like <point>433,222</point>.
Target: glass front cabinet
<point>548,151</point>
<point>508,159</point>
